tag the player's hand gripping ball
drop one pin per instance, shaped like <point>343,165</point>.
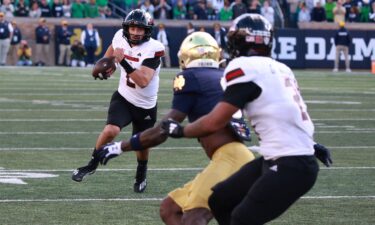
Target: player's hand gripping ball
<point>104,68</point>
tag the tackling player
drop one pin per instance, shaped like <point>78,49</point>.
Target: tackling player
<point>268,92</point>
<point>135,100</point>
<point>197,89</point>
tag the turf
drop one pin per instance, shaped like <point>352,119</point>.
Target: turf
<point>50,118</point>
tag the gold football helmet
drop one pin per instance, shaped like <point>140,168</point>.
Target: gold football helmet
<point>199,49</point>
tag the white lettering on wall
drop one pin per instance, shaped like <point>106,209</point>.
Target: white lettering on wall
<point>361,50</point>
<point>313,44</point>
<point>287,48</point>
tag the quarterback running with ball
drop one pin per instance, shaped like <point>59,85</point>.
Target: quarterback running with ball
<point>135,100</point>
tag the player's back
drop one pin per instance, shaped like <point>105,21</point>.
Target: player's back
<point>197,91</point>
<point>279,114</point>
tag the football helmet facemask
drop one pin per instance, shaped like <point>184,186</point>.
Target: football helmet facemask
<point>138,18</point>
<point>250,34</point>
<point>199,49</point>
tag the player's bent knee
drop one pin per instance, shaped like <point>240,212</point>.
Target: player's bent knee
<point>169,209</point>
<point>111,131</point>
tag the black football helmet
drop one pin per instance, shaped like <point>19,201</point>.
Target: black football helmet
<point>138,18</point>
<point>250,34</point>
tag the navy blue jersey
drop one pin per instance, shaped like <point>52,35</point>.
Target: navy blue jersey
<point>197,91</point>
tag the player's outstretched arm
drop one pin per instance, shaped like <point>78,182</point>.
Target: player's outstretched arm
<point>218,118</point>
<point>149,138</point>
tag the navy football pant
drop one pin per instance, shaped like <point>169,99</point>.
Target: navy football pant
<point>262,190</point>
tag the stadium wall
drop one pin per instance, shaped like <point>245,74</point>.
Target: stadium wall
<point>311,46</point>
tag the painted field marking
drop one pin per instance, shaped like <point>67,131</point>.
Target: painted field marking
<point>90,120</point>
<point>16,177</point>
<point>157,148</point>
<point>104,108</point>
<point>350,131</point>
<point>171,169</point>
<point>160,199</point>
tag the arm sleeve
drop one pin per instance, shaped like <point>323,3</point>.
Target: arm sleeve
<point>152,63</point>
<point>241,93</point>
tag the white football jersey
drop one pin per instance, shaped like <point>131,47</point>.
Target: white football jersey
<point>141,97</point>
<point>279,115</point>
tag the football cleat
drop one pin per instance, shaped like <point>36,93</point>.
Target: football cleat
<point>80,173</point>
<point>140,179</point>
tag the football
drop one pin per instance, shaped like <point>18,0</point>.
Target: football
<point>104,68</point>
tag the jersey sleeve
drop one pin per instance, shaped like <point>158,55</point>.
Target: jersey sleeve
<point>117,38</point>
<point>236,73</point>
<point>185,92</point>
<point>241,93</point>
<point>154,52</point>
<point>154,49</point>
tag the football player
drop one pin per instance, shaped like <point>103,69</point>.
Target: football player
<point>197,90</point>
<point>268,92</point>
<point>135,99</point>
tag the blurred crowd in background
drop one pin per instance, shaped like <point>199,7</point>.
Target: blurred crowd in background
<point>222,10</point>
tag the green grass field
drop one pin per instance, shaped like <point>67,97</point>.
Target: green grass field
<point>51,117</point>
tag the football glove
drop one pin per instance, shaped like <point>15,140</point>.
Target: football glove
<point>172,128</point>
<point>107,152</point>
<point>241,129</point>
<point>104,75</point>
<point>101,76</point>
<point>323,154</point>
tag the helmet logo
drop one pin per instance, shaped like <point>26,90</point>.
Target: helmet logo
<point>201,51</point>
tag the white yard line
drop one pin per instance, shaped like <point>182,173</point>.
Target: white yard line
<point>50,120</point>
<point>69,94</point>
<point>77,149</point>
<point>54,133</point>
<point>159,199</point>
<point>156,148</point>
<point>89,120</point>
<point>325,102</point>
<point>341,197</point>
<point>345,119</point>
<point>347,131</point>
<point>103,170</point>
<point>169,169</point>
<point>166,101</point>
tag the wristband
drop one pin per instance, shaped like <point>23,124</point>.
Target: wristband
<point>135,142</point>
<point>128,68</point>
